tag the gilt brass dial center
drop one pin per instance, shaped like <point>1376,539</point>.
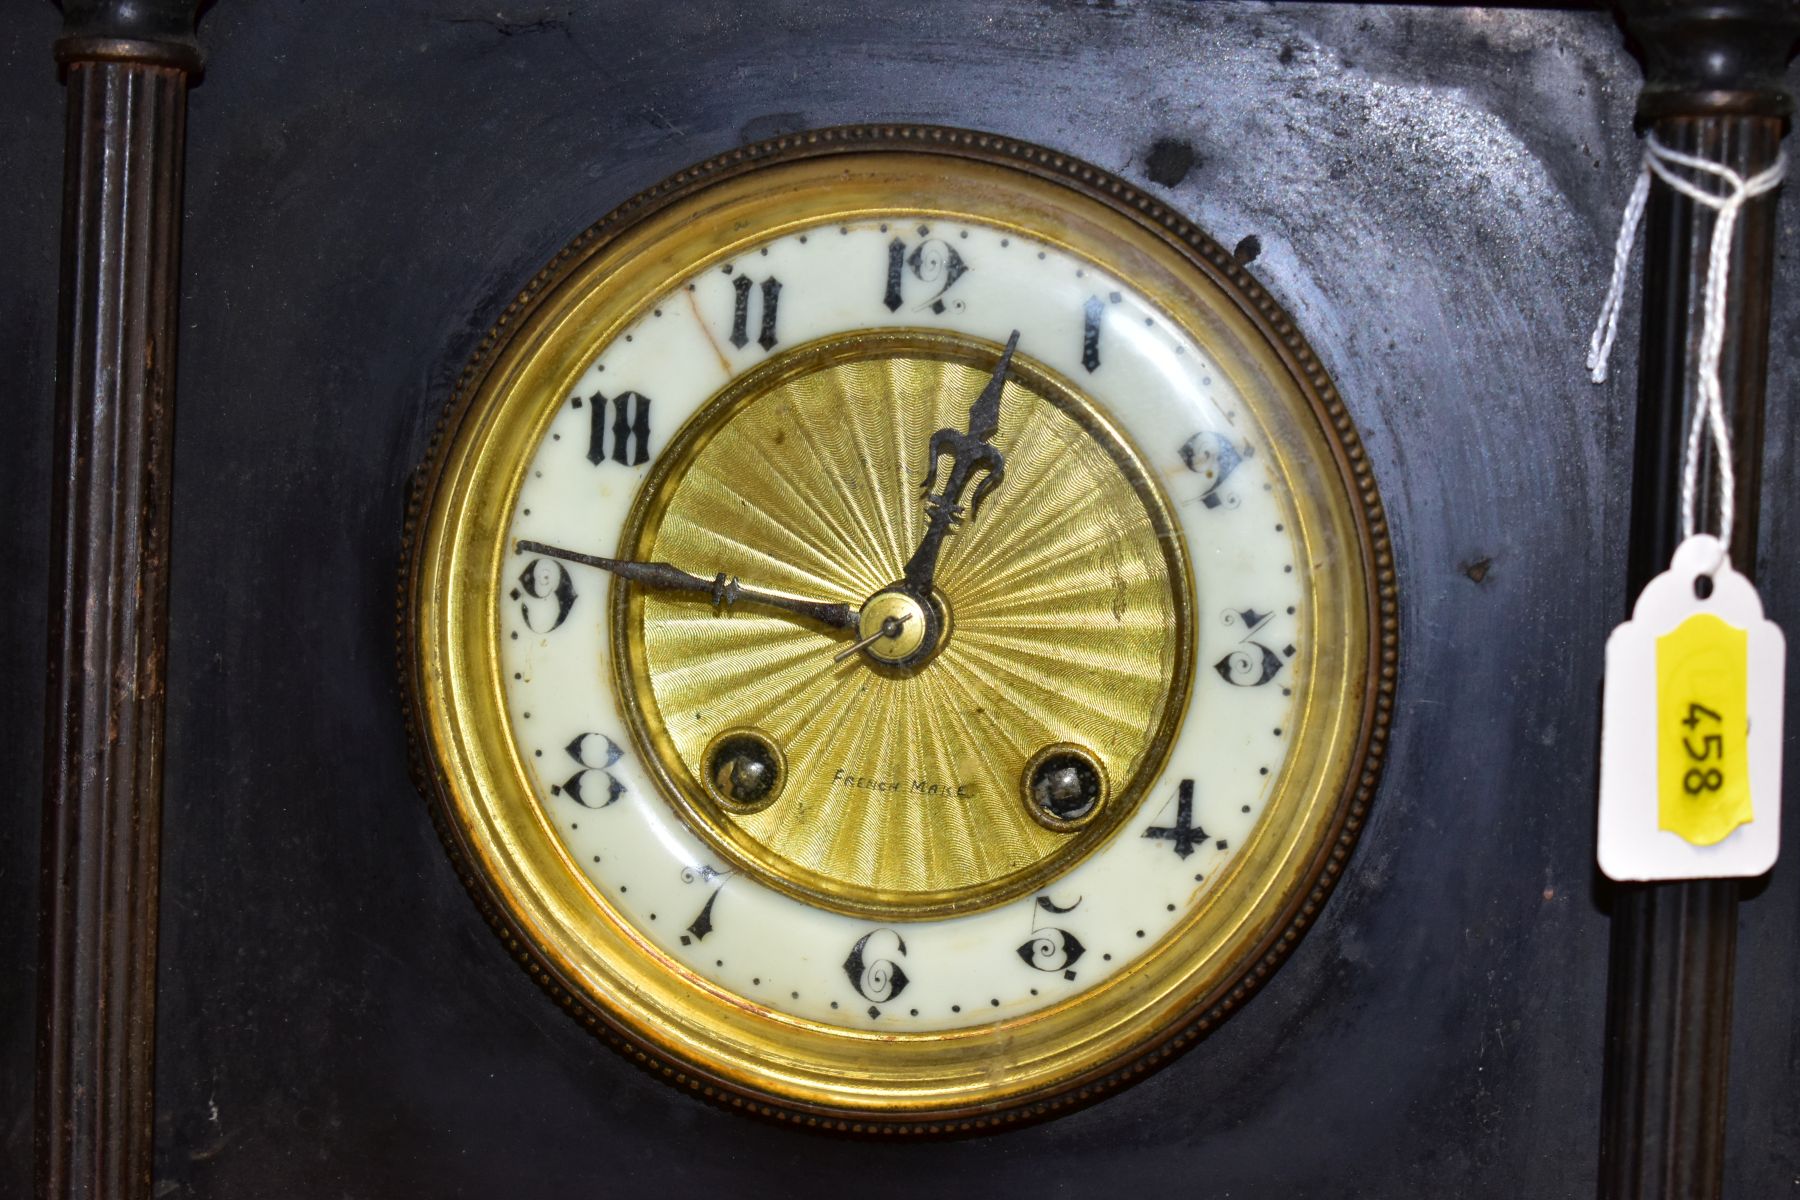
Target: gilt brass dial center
<point>813,475</point>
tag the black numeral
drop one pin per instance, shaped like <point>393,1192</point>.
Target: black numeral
<point>1252,664</point>
<point>703,924</point>
<point>1184,833</point>
<point>896,269</point>
<point>1703,778</point>
<point>544,579</point>
<point>1052,949</point>
<point>1696,780</point>
<point>740,312</point>
<point>1710,745</point>
<point>1091,314</point>
<point>593,753</point>
<point>934,263</point>
<point>1694,711</point>
<point>1213,457</point>
<point>874,976</point>
<point>630,429</point>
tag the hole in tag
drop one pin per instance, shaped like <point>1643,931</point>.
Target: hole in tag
<point>1703,586</point>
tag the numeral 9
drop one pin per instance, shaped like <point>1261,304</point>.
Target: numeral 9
<point>545,579</point>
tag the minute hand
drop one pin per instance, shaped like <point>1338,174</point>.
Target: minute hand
<point>969,452</point>
<point>724,589</point>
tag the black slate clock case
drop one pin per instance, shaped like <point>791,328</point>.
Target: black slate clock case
<point>1432,192</point>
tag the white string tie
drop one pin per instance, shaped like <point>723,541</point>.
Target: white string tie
<point>1710,412</point>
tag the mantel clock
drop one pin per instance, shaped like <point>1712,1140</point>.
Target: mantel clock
<point>899,629</point>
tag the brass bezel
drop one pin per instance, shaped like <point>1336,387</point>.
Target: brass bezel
<point>680,1025</point>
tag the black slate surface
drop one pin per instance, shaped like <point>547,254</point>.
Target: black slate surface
<point>1431,191</point>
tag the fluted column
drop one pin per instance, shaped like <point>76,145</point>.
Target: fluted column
<point>126,68</point>
<point>1712,87</point>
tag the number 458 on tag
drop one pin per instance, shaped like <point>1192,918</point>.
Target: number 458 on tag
<point>1690,752</point>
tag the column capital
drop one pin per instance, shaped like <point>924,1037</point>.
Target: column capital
<point>1712,57</point>
<point>152,32</point>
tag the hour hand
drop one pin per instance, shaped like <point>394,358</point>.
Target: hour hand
<point>969,451</point>
<point>724,589</point>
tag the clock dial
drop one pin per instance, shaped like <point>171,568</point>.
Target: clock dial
<point>896,594</point>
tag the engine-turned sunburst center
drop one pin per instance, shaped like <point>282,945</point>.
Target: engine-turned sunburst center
<point>906,790</point>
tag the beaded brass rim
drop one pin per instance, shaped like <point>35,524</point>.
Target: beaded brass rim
<point>1159,1029</point>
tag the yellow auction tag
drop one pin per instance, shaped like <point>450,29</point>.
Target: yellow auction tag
<point>1702,734</point>
<point>1690,736</point>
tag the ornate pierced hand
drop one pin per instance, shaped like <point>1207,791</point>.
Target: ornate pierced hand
<point>969,452</point>
<point>911,597</point>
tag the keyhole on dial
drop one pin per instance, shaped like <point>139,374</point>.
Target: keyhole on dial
<point>1064,787</point>
<point>744,770</point>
